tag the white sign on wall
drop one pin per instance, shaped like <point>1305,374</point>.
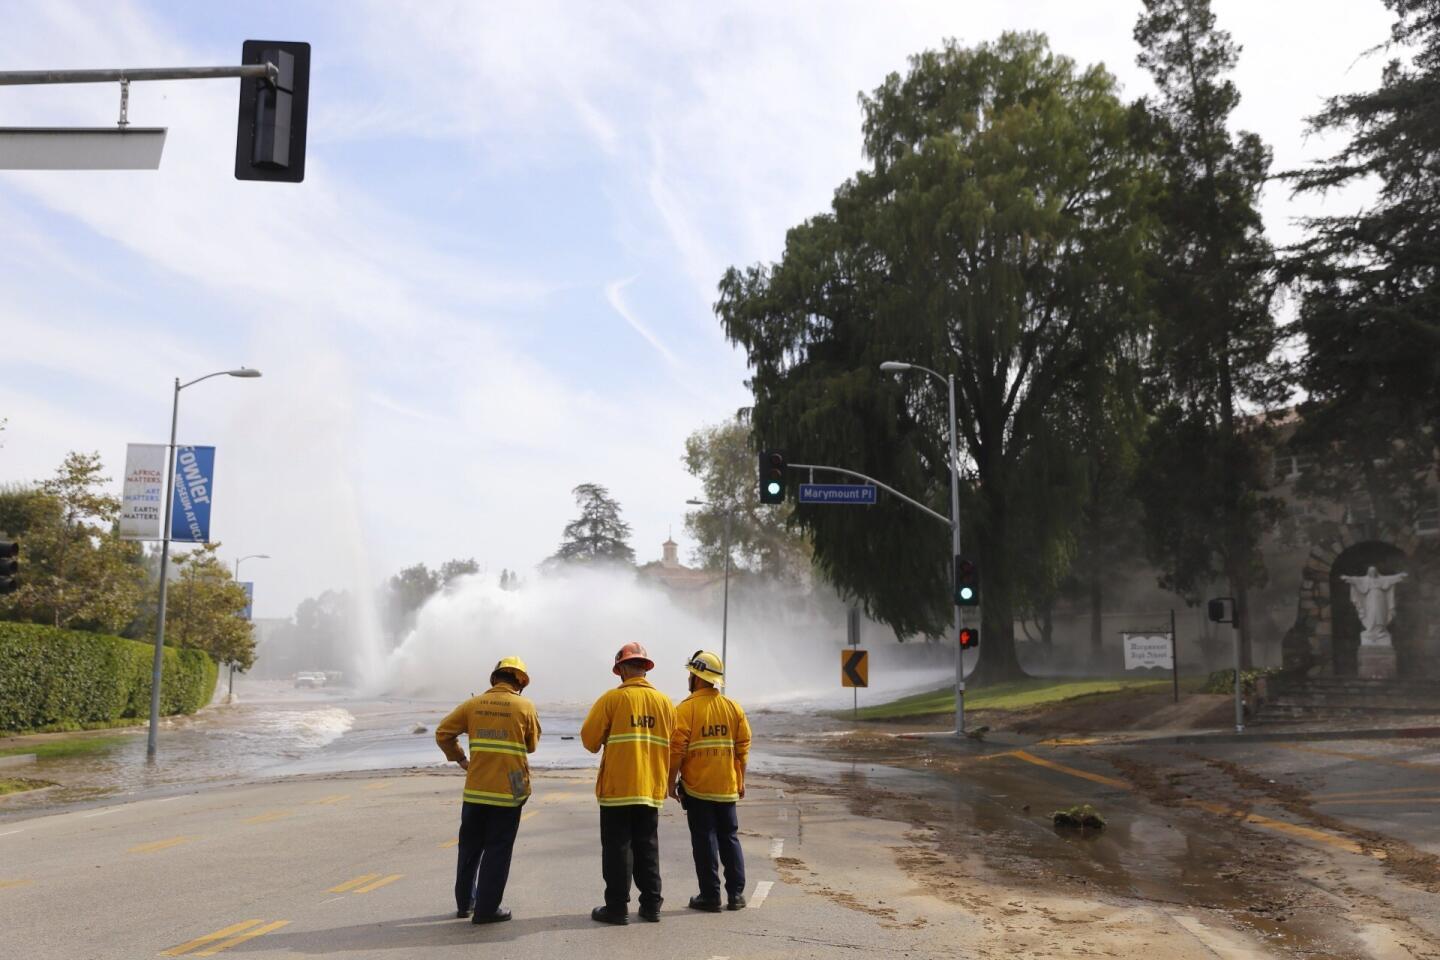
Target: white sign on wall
<point>1148,650</point>
<point>143,498</point>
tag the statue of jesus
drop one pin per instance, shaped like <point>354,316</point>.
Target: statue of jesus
<point>1374,599</point>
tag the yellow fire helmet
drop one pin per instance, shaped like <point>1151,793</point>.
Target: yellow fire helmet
<point>516,666</point>
<point>708,667</point>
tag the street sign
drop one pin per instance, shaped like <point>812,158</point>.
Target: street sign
<point>854,668</point>
<point>851,493</point>
<point>1145,650</point>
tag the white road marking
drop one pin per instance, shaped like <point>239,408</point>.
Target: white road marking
<point>99,813</point>
<point>8,832</point>
<point>331,900</point>
<point>762,890</point>
<point>777,848</point>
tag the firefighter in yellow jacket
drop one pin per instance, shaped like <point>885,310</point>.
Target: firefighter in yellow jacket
<point>708,753</point>
<point>632,723</point>
<point>502,729</point>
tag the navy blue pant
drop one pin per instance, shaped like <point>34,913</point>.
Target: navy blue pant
<point>715,841</point>
<point>487,838</point>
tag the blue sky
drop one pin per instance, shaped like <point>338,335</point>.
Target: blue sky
<point>497,279</point>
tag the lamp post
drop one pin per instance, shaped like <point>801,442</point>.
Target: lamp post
<point>891,366</point>
<point>157,667</point>
<point>230,695</point>
<point>725,606</point>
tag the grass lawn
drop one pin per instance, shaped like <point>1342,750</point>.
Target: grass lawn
<point>20,784</point>
<point>63,746</point>
<point>1021,695</point>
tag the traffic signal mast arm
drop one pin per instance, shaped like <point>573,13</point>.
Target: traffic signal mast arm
<point>258,71</point>
<point>883,486</point>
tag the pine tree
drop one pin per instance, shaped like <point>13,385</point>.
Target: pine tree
<point>598,535</point>
<point>1213,353</point>
<point>1369,285</point>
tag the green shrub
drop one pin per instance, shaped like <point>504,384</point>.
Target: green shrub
<point>1223,681</point>
<point>65,678</point>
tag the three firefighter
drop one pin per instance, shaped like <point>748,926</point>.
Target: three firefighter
<point>695,753</point>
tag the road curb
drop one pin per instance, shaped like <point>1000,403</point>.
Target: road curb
<point>1294,736</point>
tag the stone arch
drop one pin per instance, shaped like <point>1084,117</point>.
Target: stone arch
<point>1310,646</point>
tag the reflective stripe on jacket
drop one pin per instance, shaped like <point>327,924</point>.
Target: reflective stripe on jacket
<point>711,745</point>
<point>633,723</point>
<point>502,728</point>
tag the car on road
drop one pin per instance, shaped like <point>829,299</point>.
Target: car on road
<point>309,679</point>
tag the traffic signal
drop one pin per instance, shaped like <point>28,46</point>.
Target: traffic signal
<point>969,638</point>
<point>1221,610</point>
<point>9,566</point>
<point>270,135</point>
<point>773,478</point>
<point>967,582</point>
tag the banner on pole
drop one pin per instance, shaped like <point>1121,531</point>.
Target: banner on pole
<point>144,491</point>
<point>1148,650</point>
<point>249,587</point>
<point>194,482</point>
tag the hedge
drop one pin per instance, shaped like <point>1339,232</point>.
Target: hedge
<point>51,677</point>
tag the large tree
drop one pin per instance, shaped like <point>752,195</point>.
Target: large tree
<point>723,459</point>
<point>75,570</point>
<point>996,235</point>
<point>598,535</point>
<point>1214,351</point>
<point>1370,288</point>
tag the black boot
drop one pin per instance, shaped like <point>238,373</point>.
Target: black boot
<point>705,904</point>
<point>737,902</point>
<point>606,915</point>
<point>500,915</point>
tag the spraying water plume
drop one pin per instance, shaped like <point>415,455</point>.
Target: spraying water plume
<point>568,623</point>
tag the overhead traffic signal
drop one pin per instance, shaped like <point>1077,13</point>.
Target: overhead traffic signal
<point>270,137</point>
<point>967,582</point>
<point>9,566</point>
<point>774,479</point>
<point>969,638</point>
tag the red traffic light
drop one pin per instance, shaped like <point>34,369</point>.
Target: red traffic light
<point>969,638</point>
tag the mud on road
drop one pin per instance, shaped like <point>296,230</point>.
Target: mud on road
<point>1186,862</point>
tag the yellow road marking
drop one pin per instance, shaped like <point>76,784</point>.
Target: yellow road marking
<point>382,785</point>
<point>8,884</point>
<point>270,817</point>
<point>351,884</point>
<point>1281,826</point>
<point>1072,771</point>
<point>380,883</point>
<point>248,935</point>
<point>528,814</point>
<point>159,845</point>
<point>1366,757</point>
<point>333,798</point>
<point>1352,794</point>
<point>209,938</point>
<point>1070,741</point>
<point>1370,802</point>
<point>450,843</point>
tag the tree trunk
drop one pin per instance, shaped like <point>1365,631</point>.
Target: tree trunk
<point>1097,608</point>
<point>998,660</point>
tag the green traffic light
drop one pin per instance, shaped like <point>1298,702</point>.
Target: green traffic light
<point>773,487</point>
<point>966,593</point>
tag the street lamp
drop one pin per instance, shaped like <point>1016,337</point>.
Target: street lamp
<point>252,556</point>
<point>725,607</point>
<point>892,366</point>
<point>156,668</point>
<point>230,696</point>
